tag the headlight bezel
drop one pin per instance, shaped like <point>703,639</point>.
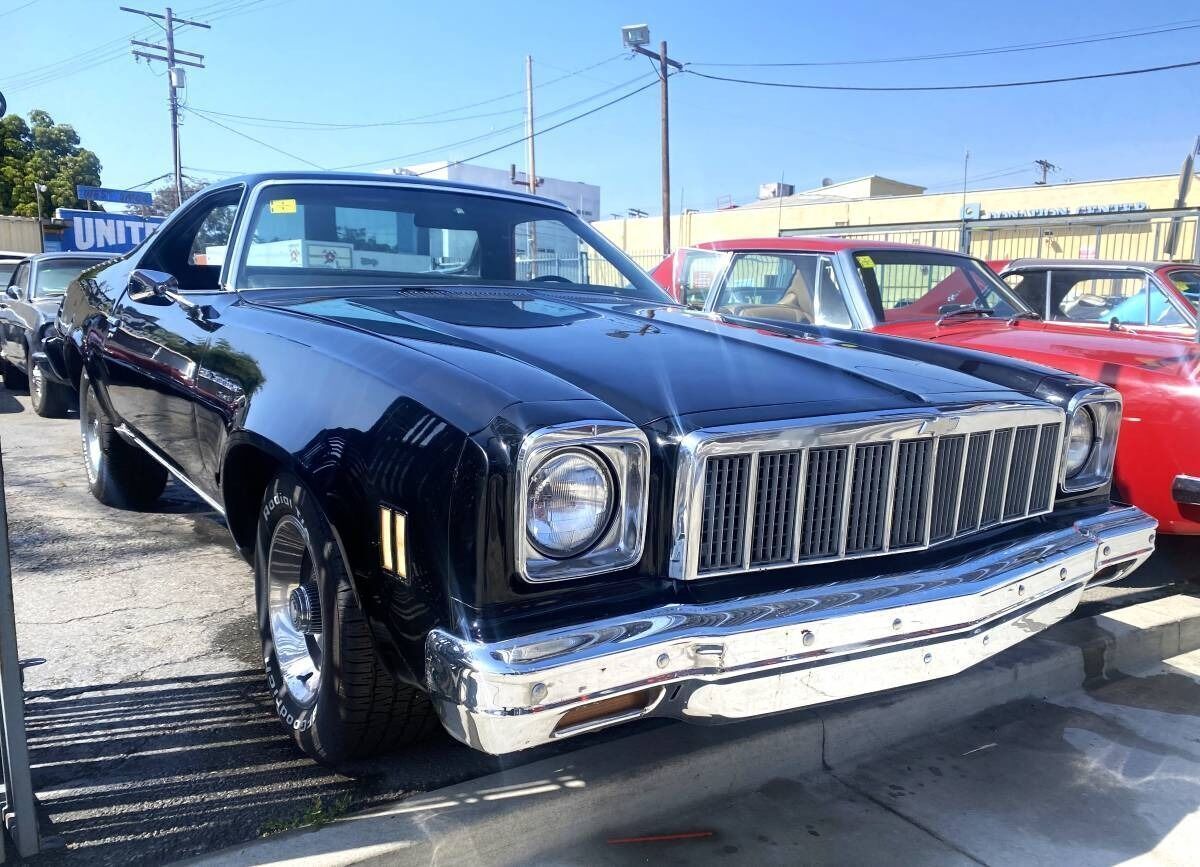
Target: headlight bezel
<point>624,450</point>
<point>1104,405</point>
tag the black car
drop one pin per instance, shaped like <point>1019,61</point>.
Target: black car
<point>27,309</point>
<point>489,473</point>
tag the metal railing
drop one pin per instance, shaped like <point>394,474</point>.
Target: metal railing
<point>1140,236</point>
<point>19,817</point>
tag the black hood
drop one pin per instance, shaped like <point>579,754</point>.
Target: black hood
<point>645,360</point>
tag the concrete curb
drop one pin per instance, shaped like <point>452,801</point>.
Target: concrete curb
<point>516,815</point>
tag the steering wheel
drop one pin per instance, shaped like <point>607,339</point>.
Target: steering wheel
<point>552,278</point>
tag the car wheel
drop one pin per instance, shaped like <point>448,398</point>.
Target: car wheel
<point>50,399</point>
<point>14,379</point>
<point>329,685</point>
<point>119,474</point>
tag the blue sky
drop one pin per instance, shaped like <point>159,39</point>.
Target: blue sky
<point>374,61</point>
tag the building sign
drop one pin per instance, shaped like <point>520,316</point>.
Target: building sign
<point>105,194</point>
<point>1077,211</point>
<point>107,233</point>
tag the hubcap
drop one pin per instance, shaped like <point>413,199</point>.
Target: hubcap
<point>89,429</point>
<point>294,610</point>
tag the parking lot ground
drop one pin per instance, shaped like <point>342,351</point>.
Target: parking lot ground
<point>151,735</point>
<point>1107,775</point>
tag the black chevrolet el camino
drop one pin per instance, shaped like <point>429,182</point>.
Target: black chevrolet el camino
<point>488,473</point>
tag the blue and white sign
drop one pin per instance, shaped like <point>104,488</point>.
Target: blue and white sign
<point>106,194</point>
<point>106,233</point>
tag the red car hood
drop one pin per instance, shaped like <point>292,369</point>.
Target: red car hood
<point>1079,350</point>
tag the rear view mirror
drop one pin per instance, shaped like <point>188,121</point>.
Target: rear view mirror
<point>11,292</point>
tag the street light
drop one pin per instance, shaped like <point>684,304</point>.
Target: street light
<point>38,189</point>
<point>636,37</point>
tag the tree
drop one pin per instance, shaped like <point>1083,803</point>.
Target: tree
<point>165,200</point>
<point>42,151</point>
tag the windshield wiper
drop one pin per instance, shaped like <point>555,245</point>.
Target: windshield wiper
<point>1024,314</point>
<point>948,310</point>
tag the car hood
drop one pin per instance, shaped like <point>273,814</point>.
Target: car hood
<point>646,360</point>
<point>1063,346</point>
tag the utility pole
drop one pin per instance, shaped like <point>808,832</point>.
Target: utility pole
<point>1046,168</point>
<point>636,38</point>
<point>176,77</point>
<point>964,244</point>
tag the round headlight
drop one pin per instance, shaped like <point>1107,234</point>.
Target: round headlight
<point>570,503</point>
<point>1081,436</point>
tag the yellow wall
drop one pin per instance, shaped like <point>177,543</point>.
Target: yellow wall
<point>643,236</point>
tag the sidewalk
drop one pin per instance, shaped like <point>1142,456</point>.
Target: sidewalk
<point>1051,742</point>
<point>1102,776</point>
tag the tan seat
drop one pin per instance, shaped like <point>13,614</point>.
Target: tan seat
<point>795,305</point>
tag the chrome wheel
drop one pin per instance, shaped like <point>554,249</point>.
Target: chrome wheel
<point>89,430</point>
<point>294,610</point>
<point>37,384</point>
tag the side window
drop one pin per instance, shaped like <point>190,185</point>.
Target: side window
<point>1098,296</point>
<point>695,272</point>
<point>1030,287</point>
<point>831,300</point>
<point>211,242</point>
<point>771,286</point>
<point>20,280</point>
<point>193,246</point>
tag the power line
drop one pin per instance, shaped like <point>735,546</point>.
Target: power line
<point>18,8</point>
<point>423,119</point>
<point>493,133</point>
<point>1170,27</point>
<point>945,87</point>
<point>202,117</point>
<point>545,130</point>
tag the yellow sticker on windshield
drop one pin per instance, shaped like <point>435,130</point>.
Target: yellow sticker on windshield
<point>864,261</point>
<point>283,206</point>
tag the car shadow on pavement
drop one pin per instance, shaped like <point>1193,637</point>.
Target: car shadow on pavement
<point>152,771</point>
<point>8,403</point>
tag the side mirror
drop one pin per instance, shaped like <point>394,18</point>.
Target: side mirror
<point>152,286</point>
<point>12,292</point>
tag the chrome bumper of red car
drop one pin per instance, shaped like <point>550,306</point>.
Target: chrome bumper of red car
<point>763,654</point>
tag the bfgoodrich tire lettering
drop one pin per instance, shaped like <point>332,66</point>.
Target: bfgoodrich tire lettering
<point>118,474</point>
<point>356,708</point>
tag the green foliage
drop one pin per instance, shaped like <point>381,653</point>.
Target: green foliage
<point>314,817</point>
<point>42,151</point>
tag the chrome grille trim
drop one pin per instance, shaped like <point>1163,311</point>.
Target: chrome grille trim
<point>792,493</point>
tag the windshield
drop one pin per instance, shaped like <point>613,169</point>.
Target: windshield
<point>908,285</point>
<point>54,275</point>
<point>6,272</point>
<point>309,235</point>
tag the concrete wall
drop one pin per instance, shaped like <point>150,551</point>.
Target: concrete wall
<point>643,237</point>
<point>20,234</point>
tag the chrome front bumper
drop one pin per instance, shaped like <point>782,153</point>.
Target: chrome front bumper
<point>763,654</point>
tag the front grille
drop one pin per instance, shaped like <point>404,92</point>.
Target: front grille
<point>875,493</point>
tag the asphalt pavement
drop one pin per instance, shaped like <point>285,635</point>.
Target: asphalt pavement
<point>150,731</point>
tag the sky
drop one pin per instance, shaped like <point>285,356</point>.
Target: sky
<point>463,63</point>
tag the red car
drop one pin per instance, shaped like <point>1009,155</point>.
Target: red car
<point>944,297</point>
<point>1147,297</point>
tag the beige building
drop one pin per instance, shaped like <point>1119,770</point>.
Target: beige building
<point>1113,219</point>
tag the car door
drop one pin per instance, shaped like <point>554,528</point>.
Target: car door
<point>16,296</point>
<point>165,320</point>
